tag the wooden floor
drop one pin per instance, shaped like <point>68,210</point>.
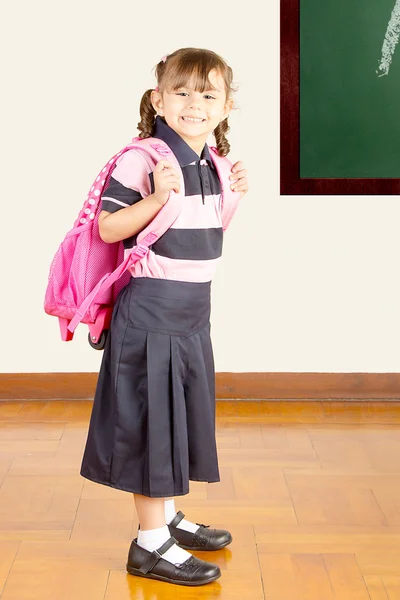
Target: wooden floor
<point>309,490</point>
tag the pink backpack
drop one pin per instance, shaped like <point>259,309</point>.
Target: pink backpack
<point>87,274</point>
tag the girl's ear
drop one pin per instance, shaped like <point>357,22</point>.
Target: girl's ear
<point>156,100</point>
<point>227,109</point>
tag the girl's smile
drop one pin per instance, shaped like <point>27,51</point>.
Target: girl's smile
<point>192,119</point>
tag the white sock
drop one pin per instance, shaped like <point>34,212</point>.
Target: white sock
<point>152,539</point>
<point>170,513</point>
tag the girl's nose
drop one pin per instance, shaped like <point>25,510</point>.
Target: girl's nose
<point>195,106</point>
<point>195,100</point>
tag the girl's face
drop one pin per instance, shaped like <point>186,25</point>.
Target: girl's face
<point>207,109</point>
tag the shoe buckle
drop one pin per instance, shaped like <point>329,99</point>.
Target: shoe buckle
<point>151,562</point>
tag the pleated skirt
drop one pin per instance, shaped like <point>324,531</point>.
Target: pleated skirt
<point>152,426</point>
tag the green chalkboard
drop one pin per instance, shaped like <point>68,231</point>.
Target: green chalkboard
<point>349,112</point>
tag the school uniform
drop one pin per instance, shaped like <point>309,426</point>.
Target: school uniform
<point>152,427</point>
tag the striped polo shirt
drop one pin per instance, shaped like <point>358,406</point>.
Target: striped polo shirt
<point>192,247</point>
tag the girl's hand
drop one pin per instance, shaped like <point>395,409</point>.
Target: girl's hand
<point>166,178</point>
<point>239,178</point>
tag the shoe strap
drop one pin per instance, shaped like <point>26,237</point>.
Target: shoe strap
<point>177,519</point>
<point>155,556</point>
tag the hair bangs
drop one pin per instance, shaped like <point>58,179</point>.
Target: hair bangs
<point>193,67</point>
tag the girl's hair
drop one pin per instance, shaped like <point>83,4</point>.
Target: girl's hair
<point>174,73</point>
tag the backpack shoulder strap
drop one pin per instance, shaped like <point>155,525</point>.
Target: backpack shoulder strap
<point>230,199</point>
<point>152,150</point>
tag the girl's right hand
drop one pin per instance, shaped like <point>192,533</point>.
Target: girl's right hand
<point>166,178</point>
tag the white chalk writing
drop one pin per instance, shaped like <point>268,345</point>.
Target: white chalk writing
<point>390,42</point>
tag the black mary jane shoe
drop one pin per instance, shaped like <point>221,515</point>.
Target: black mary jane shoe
<point>203,539</point>
<point>193,571</point>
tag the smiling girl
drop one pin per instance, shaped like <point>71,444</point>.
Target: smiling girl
<point>152,427</point>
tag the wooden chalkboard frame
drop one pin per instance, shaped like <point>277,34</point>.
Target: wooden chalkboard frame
<point>290,181</point>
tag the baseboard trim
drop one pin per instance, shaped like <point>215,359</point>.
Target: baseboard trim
<point>269,386</point>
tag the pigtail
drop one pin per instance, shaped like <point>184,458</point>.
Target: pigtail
<point>147,115</point>
<point>223,146</point>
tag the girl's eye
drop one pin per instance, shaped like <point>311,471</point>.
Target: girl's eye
<point>208,95</point>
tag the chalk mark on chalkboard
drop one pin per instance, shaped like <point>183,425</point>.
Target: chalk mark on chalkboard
<point>390,42</point>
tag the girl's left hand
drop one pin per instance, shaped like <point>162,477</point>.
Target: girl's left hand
<point>239,178</point>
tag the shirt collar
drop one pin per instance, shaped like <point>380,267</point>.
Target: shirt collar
<point>183,152</point>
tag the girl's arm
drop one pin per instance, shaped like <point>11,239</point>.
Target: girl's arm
<point>126,222</point>
<point>122,224</point>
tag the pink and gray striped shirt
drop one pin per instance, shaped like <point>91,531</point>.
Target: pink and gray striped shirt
<point>191,249</point>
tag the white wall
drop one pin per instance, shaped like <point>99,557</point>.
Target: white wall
<point>306,283</point>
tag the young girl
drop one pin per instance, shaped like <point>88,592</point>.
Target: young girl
<point>152,427</point>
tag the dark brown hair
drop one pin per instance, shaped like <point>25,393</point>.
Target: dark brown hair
<point>174,73</point>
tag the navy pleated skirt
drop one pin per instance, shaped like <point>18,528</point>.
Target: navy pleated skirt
<point>152,427</point>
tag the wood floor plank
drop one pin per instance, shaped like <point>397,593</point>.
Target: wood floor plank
<point>264,457</point>
<point>332,502</point>
<point>32,431</point>
<point>345,576</point>
<point>94,491</point>
<point>261,486</point>
<point>386,564</point>
<point>47,466</point>
<point>104,520</point>
<point>364,449</point>
<point>298,576</point>
<point>387,497</point>
<point>39,503</point>
<point>376,587</point>
<point>48,584</point>
<point>8,552</point>
<point>323,539</point>
<point>251,436</point>
<point>312,577</point>
<point>46,410</point>
<point>5,466</point>
<point>279,577</point>
<point>392,587</point>
<point>10,410</point>
<point>40,448</point>
<point>69,556</point>
<point>72,441</point>
<point>225,490</point>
